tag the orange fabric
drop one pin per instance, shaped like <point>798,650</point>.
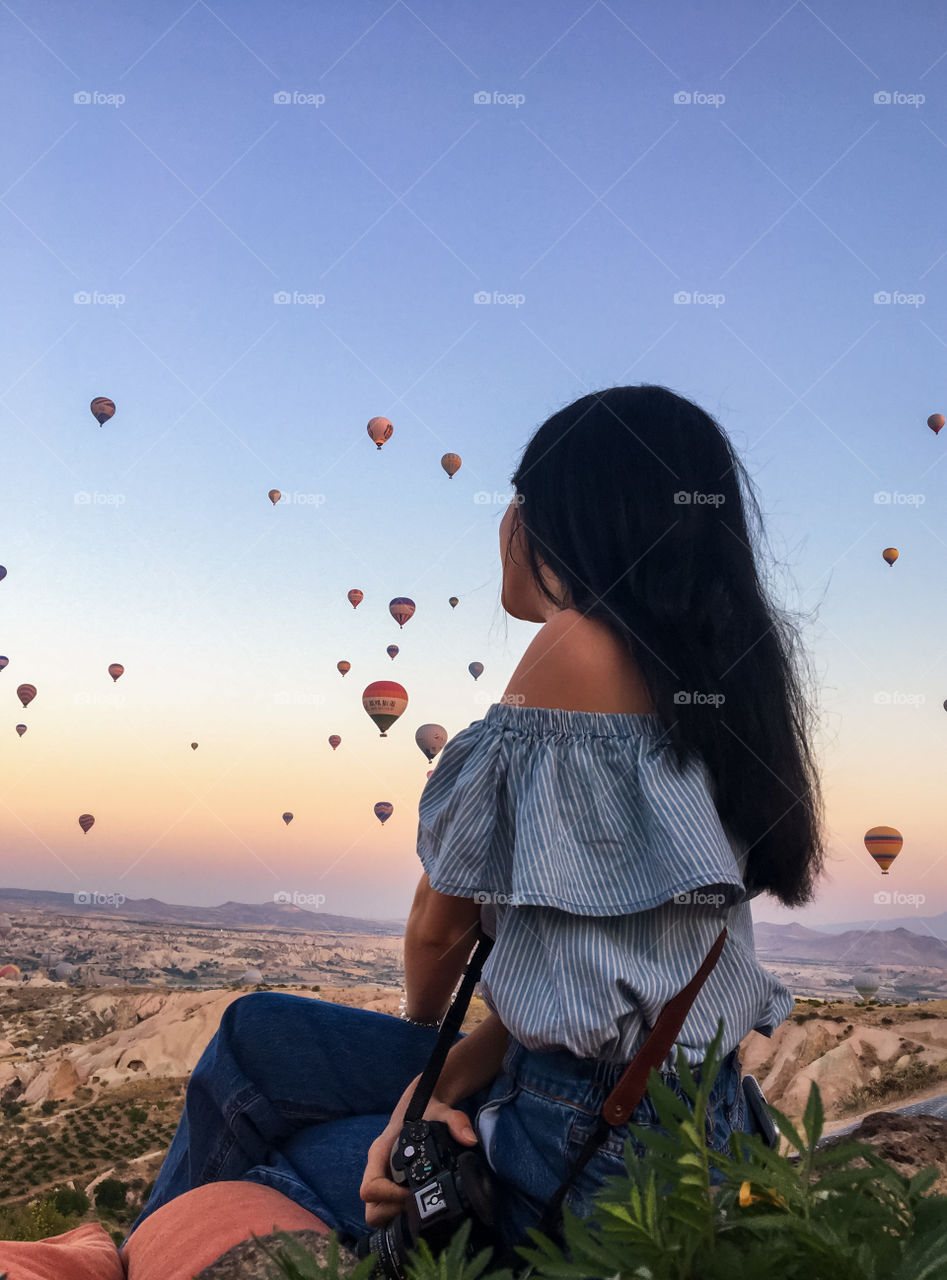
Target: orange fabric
<point>192,1231</point>
<point>85,1253</point>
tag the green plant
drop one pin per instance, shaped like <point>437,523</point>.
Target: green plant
<point>110,1194</point>
<point>69,1201</point>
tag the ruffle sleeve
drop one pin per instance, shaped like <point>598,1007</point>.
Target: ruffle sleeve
<point>582,811</point>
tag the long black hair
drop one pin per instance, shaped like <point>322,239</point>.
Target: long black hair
<point>638,503</point>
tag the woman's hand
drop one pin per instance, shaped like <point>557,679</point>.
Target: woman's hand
<point>383,1198</point>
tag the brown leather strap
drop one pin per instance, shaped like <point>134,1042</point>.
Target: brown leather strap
<point>621,1102</point>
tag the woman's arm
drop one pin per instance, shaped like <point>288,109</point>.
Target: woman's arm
<point>438,940</point>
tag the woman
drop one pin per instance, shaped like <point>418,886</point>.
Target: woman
<point>647,771</point>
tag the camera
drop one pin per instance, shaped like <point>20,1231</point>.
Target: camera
<point>449,1184</point>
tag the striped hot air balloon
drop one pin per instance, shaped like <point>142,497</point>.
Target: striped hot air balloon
<point>401,609</point>
<point>26,693</point>
<point>86,821</point>
<point>383,811</point>
<point>379,429</point>
<point>21,729</point>
<point>451,463</point>
<point>287,818</point>
<point>102,409</point>
<point>343,666</point>
<point>392,651</point>
<point>384,701</point>
<point>884,845</point>
<point>10,972</point>
<point>355,597</point>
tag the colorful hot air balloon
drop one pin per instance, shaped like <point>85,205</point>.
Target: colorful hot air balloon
<point>936,421</point>
<point>287,818</point>
<point>334,740</point>
<point>116,670</point>
<point>86,820</point>
<point>102,409</point>
<point>193,746</point>
<point>355,597</point>
<point>401,609</point>
<point>383,811</point>
<point>26,693</point>
<point>3,573</point>
<point>451,464</point>
<point>884,845</point>
<point>475,669</point>
<point>430,738</point>
<point>10,972</point>
<point>890,554</point>
<point>4,662</point>
<point>343,666</point>
<point>274,496</point>
<point>380,429</point>
<point>384,701</point>
<point>452,601</point>
<point>21,729</point>
<point>392,651</point>
<point>429,772</point>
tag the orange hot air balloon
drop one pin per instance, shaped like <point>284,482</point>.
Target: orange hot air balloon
<point>401,609</point>
<point>392,651</point>
<point>383,811</point>
<point>116,670</point>
<point>451,463</point>
<point>384,700</point>
<point>884,845</point>
<point>453,602</point>
<point>10,972</point>
<point>343,666</point>
<point>102,409</point>
<point>26,693</point>
<point>21,729</point>
<point>287,818</point>
<point>380,429</point>
<point>274,496</point>
<point>86,821</point>
<point>355,597</point>
<point>334,740</point>
<point>890,554</point>
<point>193,746</point>
<point>936,421</point>
<point>475,669</point>
<point>430,738</point>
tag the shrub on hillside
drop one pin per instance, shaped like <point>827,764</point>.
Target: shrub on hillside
<point>110,1194</point>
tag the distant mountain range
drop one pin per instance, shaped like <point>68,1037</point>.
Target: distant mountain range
<point>247,915</point>
<point>927,926</point>
<point>853,947</point>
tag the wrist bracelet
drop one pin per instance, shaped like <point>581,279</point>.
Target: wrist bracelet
<point>415,1022</point>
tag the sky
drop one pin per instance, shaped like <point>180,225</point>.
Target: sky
<point>256,227</point>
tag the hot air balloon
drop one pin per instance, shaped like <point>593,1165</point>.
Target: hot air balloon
<point>866,984</point>
<point>10,972</point>
<point>384,700</point>
<point>401,609</point>
<point>475,669</point>
<point>343,666</point>
<point>383,811</point>
<point>4,662</point>
<point>380,429</point>
<point>116,670</point>
<point>890,554</point>
<point>884,845</point>
<point>429,772</point>
<point>193,746</point>
<point>251,977</point>
<point>430,738</point>
<point>936,421</point>
<point>86,821</point>
<point>452,601</point>
<point>392,651</point>
<point>102,409</point>
<point>6,926</point>
<point>26,693</point>
<point>3,573</point>
<point>64,969</point>
<point>274,496</point>
<point>334,740</point>
<point>287,818</point>
<point>21,729</point>
<point>355,597</point>
<point>451,463</point>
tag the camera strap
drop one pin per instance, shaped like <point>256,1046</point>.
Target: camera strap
<point>620,1104</point>
<point>448,1032</point>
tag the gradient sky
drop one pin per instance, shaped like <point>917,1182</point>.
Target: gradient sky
<point>594,195</point>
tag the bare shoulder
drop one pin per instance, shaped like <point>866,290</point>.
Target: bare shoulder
<point>578,663</point>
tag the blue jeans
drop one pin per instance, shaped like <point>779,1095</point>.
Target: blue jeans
<point>291,1092</point>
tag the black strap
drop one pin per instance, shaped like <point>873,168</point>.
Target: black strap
<point>448,1032</point>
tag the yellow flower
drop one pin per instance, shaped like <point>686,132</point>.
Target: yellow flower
<point>747,1198</point>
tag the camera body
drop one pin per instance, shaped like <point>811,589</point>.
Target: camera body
<point>448,1183</point>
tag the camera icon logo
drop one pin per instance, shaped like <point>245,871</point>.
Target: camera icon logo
<point>82,897</point>
<point>82,498</point>
<point>482,99</point>
<point>882,497</point>
<point>282,897</point>
<point>883,898</point>
<point>682,498</point>
<point>681,298</point>
<point>82,98</point>
<point>682,698</point>
<point>882,298</point>
<point>282,297</point>
<point>282,98</point>
<point>682,899</point>
<point>82,298</point>
<point>882,98</point>
<point>682,97</point>
<point>481,298</point>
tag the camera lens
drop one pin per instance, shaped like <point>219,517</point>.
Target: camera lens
<point>387,1246</point>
